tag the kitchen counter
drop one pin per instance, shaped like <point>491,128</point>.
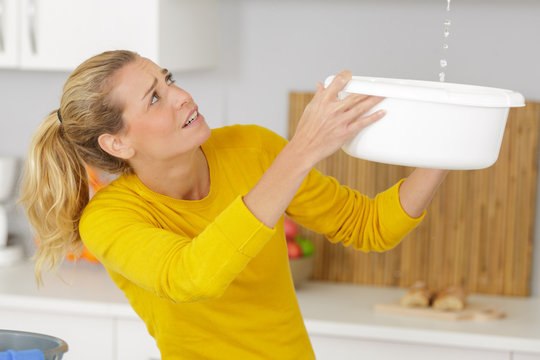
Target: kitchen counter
<point>346,310</point>
<point>329,309</point>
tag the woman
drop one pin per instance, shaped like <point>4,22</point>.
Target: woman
<point>192,230</point>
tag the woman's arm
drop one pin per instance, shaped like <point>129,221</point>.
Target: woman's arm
<point>418,189</point>
<point>326,124</point>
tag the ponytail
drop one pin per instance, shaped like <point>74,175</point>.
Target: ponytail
<point>54,192</point>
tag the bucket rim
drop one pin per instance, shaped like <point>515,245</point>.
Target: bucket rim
<point>62,346</point>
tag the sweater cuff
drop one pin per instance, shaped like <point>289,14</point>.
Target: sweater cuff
<point>242,229</point>
<point>401,222</point>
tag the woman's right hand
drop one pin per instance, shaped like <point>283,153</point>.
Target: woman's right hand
<point>328,122</point>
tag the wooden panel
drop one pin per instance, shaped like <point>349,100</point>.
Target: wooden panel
<point>478,231</point>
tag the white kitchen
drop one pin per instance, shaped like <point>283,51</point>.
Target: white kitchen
<point>258,62</point>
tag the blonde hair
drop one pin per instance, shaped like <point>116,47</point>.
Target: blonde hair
<point>54,188</point>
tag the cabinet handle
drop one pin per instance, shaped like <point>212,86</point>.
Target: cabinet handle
<point>32,10</point>
<point>2,11</point>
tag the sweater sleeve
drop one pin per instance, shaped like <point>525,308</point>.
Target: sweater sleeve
<point>174,266</point>
<point>344,215</point>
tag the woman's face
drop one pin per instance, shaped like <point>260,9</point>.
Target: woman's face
<point>161,120</point>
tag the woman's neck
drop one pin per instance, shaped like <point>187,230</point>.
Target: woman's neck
<point>187,178</point>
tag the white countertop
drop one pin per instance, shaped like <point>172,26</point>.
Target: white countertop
<point>347,310</point>
<point>329,309</point>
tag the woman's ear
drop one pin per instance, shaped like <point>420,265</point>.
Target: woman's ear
<point>115,146</point>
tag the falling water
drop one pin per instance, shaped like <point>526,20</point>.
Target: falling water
<point>446,33</point>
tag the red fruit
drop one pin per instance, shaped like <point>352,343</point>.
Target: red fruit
<point>291,229</point>
<point>294,250</point>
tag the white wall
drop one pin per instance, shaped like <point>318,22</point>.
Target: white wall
<point>271,47</point>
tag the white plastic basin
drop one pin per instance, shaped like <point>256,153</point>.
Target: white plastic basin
<point>432,124</point>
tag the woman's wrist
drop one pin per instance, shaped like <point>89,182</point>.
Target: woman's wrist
<point>417,191</point>
<point>269,198</point>
<point>305,158</point>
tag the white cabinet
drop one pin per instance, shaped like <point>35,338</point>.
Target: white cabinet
<point>88,338</point>
<point>133,341</point>
<point>8,33</point>
<point>330,348</point>
<point>60,34</point>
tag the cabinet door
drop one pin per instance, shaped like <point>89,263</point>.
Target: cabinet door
<point>88,338</point>
<point>328,348</point>
<point>525,356</point>
<point>8,33</point>
<point>60,34</point>
<point>134,342</point>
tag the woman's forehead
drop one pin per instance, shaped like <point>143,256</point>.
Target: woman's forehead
<point>130,82</point>
<point>137,72</point>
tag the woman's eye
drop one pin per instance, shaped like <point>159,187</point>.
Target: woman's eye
<point>154,99</point>
<point>170,79</point>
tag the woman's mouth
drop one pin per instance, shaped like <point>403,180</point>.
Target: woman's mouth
<point>194,115</point>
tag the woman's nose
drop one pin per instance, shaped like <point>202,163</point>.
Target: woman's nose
<point>182,98</point>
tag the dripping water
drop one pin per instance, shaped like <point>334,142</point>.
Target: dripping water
<point>446,32</point>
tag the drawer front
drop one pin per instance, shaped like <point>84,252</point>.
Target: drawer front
<point>331,348</point>
<point>526,356</point>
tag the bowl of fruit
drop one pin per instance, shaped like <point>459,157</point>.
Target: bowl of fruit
<point>300,250</point>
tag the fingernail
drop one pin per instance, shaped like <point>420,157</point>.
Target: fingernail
<point>382,112</point>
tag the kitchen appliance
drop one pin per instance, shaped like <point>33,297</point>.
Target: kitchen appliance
<point>9,253</point>
<point>432,124</point>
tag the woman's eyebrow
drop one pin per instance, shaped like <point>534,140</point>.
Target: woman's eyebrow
<point>163,71</point>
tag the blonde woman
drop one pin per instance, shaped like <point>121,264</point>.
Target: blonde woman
<point>192,230</point>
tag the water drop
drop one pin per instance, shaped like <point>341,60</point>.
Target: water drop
<point>446,32</point>
<point>443,62</point>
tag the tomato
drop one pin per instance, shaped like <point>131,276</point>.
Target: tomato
<point>291,229</point>
<point>294,250</point>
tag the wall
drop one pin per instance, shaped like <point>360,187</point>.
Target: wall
<point>271,47</point>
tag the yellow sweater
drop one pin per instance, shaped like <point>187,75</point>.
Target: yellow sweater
<point>211,281</point>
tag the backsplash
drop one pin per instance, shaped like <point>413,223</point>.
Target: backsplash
<point>478,231</point>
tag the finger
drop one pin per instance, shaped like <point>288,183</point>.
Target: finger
<point>364,106</point>
<point>363,122</point>
<point>338,83</point>
<point>320,89</point>
<point>351,101</point>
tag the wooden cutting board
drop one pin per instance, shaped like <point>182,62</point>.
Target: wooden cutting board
<point>473,311</point>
